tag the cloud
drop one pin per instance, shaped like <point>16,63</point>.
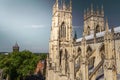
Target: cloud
<point>38,26</point>
<point>34,26</point>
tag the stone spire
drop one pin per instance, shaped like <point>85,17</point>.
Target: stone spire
<point>16,47</point>
<point>85,14</point>
<point>102,11</point>
<point>70,5</point>
<point>75,36</point>
<point>106,26</point>
<point>57,4</point>
<point>91,9</point>
<point>97,11</point>
<point>63,4</point>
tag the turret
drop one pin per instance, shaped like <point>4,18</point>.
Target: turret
<point>97,12</point>
<point>85,14</point>
<point>16,47</point>
<point>70,5</point>
<point>106,26</point>
<point>64,5</point>
<point>91,9</point>
<point>75,35</point>
<point>102,11</point>
<point>55,7</point>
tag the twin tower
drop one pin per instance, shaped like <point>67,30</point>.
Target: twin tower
<point>61,30</point>
<point>60,62</point>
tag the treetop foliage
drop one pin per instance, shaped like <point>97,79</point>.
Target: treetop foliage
<point>19,64</point>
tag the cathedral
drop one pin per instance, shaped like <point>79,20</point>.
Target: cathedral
<point>94,56</point>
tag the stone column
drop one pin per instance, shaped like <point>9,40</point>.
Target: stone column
<point>110,71</point>
<point>71,66</point>
<point>84,61</point>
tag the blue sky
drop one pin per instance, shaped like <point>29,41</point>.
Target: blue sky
<point>29,21</point>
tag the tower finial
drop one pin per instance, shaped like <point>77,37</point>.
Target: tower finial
<point>112,30</point>
<point>71,5</point>
<point>84,14</point>
<point>106,25</point>
<point>87,11</point>
<point>102,10</point>
<point>97,11</point>
<point>63,4</point>
<point>75,35</point>
<point>57,3</point>
<point>91,9</point>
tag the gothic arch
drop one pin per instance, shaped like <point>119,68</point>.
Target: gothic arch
<point>88,30</point>
<point>60,58</point>
<point>66,54</point>
<point>79,50</point>
<point>102,50</point>
<point>89,50</point>
<point>66,61</point>
<point>97,29</point>
<point>91,63</point>
<point>63,30</point>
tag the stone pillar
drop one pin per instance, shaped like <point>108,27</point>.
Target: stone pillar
<point>84,61</point>
<point>84,69</point>
<point>71,65</point>
<point>110,71</point>
<point>63,66</point>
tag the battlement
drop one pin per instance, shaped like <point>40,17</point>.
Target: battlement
<point>90,12</point>
<point>62,6</point>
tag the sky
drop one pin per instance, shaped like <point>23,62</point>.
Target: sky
<point>28,22</point>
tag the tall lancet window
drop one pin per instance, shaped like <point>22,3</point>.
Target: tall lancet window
<point>97,29</point>
<point>63,30</point>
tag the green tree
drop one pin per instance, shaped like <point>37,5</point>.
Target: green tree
<point>19,64</point>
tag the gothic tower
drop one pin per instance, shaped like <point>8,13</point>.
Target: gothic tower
<point>93,21</point>
<point>61,35</point>
<point>16,47</point>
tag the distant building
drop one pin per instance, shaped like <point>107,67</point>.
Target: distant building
<point>40,67</point>
<point>16,47</point>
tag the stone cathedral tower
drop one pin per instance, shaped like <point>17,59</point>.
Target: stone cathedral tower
<point>61,38</point>
<point>93,21</point>
<point>91,57</point>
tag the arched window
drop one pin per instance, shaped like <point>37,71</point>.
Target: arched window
<point>97,29</point>
<point>63,30</point>
<point>89,50</point>
<point>102,51</point>
<point>79,50</point>
<point>60,60</point>
<point>66,61</point>
<point>88,30</point>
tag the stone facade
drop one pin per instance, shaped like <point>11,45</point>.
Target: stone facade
<point>95,56</point>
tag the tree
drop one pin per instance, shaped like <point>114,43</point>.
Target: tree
<point>19,64</point>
